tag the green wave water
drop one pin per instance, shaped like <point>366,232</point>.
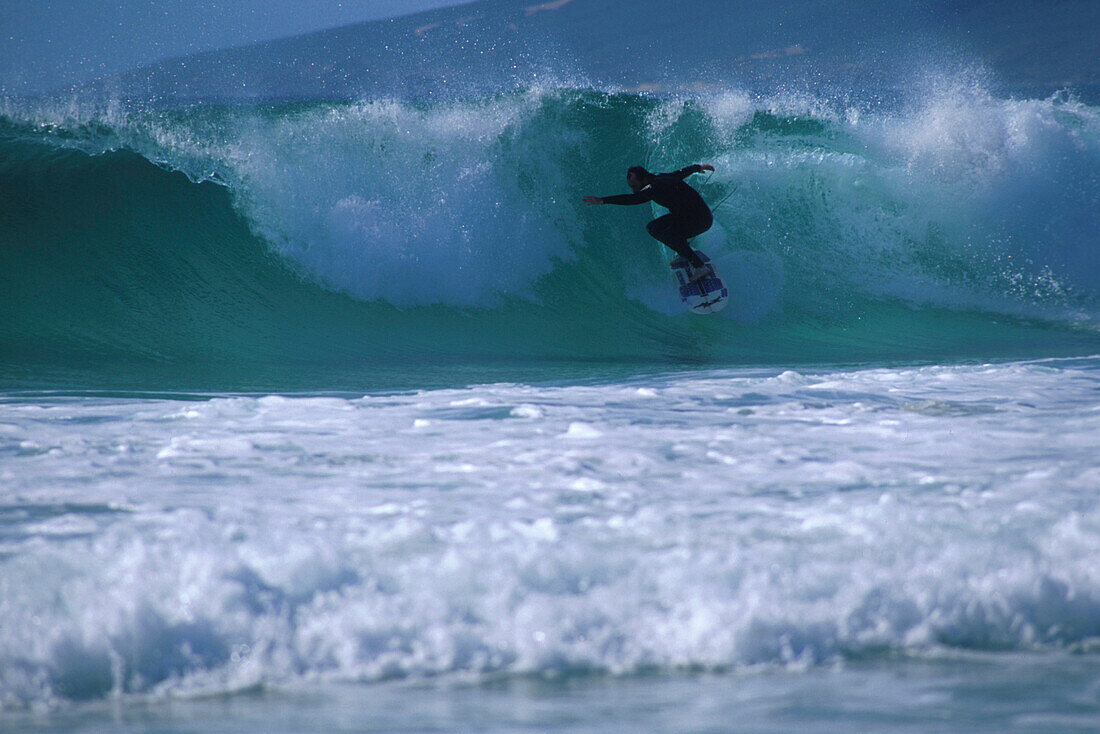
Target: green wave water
<point>385,244</point>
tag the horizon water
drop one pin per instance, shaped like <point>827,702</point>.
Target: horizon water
<point>348,415</point>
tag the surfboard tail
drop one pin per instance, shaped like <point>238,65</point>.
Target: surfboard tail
<point>705,295</point>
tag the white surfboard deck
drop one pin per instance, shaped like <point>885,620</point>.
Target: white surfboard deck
<point>706,295</point>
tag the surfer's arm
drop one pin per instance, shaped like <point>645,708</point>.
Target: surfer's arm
<point>639,197</point>
<point>693,168</point>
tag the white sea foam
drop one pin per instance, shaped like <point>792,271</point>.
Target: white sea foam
<point>957,199</point>
<point>383,200</point>
<point>715,520</point>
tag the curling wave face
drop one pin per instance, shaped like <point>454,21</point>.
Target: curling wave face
<point>950,225</point>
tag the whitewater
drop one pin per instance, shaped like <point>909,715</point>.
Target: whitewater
<point>350,415</point>
<point>747,529</point>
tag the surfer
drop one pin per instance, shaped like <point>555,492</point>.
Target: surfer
<point>688,215</point>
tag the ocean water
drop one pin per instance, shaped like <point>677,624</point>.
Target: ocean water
<point>348,415</point>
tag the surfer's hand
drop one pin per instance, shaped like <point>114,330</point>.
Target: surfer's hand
<point>706,167</point>
<point>592,200</point>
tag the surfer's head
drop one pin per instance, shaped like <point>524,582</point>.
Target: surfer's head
<point>637,178</point>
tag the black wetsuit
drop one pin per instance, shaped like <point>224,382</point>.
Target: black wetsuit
<point>688,215</point>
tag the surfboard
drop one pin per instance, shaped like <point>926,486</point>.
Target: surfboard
<point>706,295</point>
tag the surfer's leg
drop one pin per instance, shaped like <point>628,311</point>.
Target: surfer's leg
<point>666,231</point>
<point>693,228</point>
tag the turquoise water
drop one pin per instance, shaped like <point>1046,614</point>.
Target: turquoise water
<point>374,245</point>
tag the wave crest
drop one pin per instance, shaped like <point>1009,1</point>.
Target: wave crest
<point>828,216</point>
